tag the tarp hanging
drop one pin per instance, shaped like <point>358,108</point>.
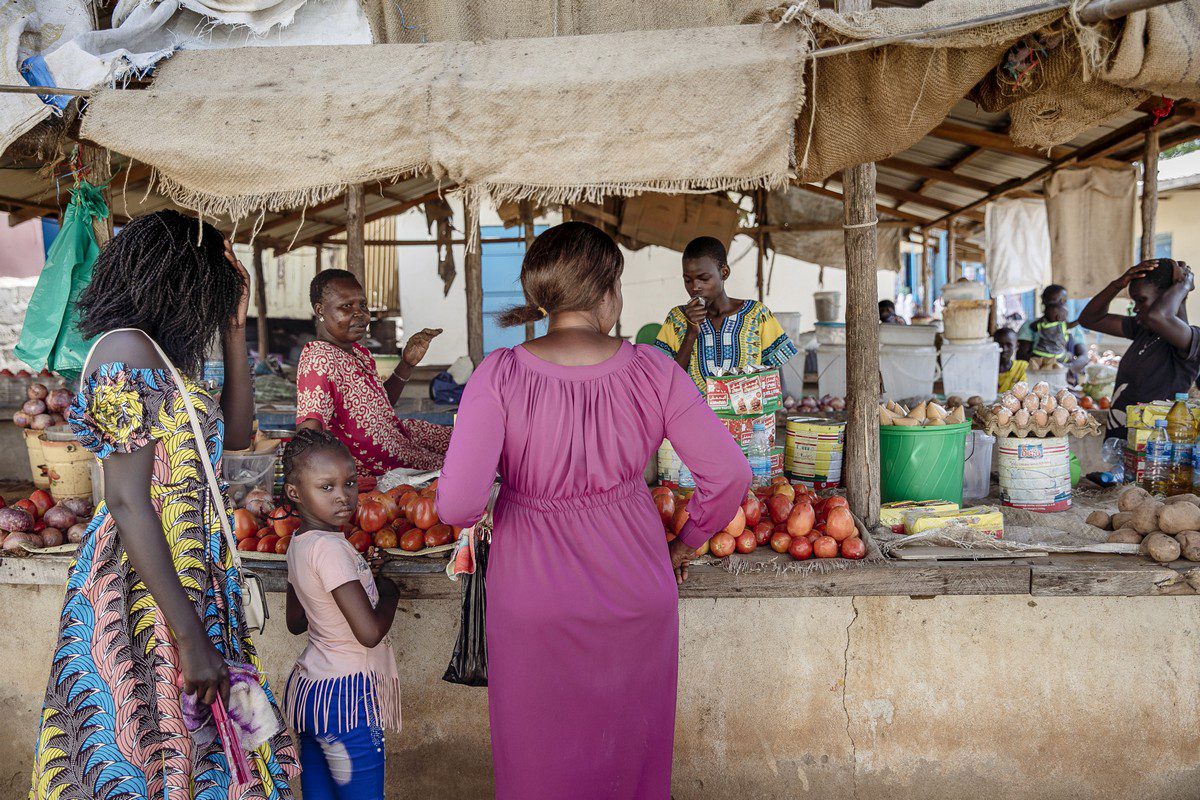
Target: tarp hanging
<point>827,248</point>
<point>1090,212</point>
<point>555,119</point>
<point>1018,245</point>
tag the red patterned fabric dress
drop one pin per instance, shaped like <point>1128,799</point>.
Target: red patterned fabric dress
<point>342,390</point>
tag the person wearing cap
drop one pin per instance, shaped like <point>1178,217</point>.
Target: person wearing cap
<point>715,333</point>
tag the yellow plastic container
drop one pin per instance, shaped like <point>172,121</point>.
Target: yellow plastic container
<point>67,466</point>
<point>37,458</point>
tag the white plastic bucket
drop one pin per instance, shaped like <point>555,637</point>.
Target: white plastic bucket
<point>1035,473</point>
<point>971,369</point>
<point>907,371</point>
<point>907,335</point>
<point>828,305</point>
<point>831,369</point>
<point>831,333</point>
<point>977,469</point>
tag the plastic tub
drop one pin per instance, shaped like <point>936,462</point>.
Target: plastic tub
<point>831,369</point>
<point>922,463</point>
<point>966,320</point>
<point>977,470</point>
<point>246,471</point>
<point>964,290</point>
<point>68,467</point>
<point>907,371</point>
<point>37,458</point>
<point>828,305</point>
<point>970,369</point>
<point>1035,473</point>
<point>907,335</point>
<point>831,333</point>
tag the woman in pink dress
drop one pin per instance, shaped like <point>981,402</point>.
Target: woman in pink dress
<point>582,614</point>
<point>338,387</point>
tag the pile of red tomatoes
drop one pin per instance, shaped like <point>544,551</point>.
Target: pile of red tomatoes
<point>789,518</point>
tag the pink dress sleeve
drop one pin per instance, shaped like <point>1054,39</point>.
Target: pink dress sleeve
<point>474,453</point>
<point>314,391</point>
<point>718,465</point>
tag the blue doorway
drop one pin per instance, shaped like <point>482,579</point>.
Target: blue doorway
<point>502,286</point>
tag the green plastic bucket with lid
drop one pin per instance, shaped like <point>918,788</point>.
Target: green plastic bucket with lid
<point>922,463</point>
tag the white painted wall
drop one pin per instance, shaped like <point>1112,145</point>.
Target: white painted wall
<point>651,286</point>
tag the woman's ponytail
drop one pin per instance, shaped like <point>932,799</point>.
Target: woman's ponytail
<point>521,315</point>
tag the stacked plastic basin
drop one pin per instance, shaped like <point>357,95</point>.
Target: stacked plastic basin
<point>907,360</point>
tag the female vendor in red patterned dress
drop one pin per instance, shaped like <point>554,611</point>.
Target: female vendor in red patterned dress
<point>338,387</point>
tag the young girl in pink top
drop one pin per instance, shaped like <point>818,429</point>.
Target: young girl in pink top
<point>344,689</point>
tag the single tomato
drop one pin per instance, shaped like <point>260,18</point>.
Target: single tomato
<point>28,507</point>
<point>398,492</point>
<point>429,492</point>
<point>779,507</point>
<point>702,550</point>
<point>753,509</point>
<point>413,540</point>
<point>248,545</point>
<point>746,543</point>
<point>361,540</point>
<point>387,539</point>
<point>681,518</point>
<point>423,514</point>
<point>267,544</point>
<point>737,525</point>
<point>825,547</point>
<point>401,527</point>
<point>389,503</point>
<point>722,545</point>
<point>1087,402</point>
<point>281,546</point>
<point>800,549</point>
<point>840,524</point>
<point>244,524</point>
<point>854,548</point>
<point>1104,403</point>
<point>42,500</point>
<point>439,535</point>
<point>780,542</point>
<point>372,515</point>
<point>801,520</point>
<point>664,501</point>
<point>762,532</point>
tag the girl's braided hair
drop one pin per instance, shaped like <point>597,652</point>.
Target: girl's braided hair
<point>165,274</point>
<point>308,441</point>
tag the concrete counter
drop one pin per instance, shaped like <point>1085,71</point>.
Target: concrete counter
<point>928,681</point>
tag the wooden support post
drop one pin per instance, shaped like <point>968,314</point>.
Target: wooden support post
<point>922,290</point>
<point>319,248</point>
<point>1149,192</point>
<point>951,252</point>
<point>760,241</point>
<point>473,266</point>
<point>860,467</point>
<point>99,171</point>
<point>356,252</point>
<point>260,294</point>
<point>526,209</point>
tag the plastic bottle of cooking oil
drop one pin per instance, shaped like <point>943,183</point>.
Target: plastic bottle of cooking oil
<point>1181,427</point>
<point>1157,477</point>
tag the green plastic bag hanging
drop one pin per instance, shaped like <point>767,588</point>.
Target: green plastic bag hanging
<point>50,338</point>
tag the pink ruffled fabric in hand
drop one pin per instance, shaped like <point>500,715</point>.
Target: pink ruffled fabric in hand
<point>250,713</point>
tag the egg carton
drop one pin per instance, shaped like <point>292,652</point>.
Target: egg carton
<point>990,426</point>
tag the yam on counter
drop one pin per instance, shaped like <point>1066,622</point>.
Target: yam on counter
<point>1131,498</point>
<point>1161,548</point>
<point>1145,516</point>
<point>1101,520</point>
<point>1125,536</point>
<point>1121,520</point>
<point>1182,498</point>
<point>1179,517</point>
<point>1189,544</point>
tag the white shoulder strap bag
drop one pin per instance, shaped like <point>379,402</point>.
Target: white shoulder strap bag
<point>254,599</point>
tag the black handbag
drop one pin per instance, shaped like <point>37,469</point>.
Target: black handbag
<point>468,662</point>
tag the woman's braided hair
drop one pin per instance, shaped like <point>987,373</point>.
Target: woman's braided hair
<point>156,276</point>
<point>306,442</point>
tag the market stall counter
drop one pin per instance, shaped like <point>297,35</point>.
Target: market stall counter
<point>999,678</point>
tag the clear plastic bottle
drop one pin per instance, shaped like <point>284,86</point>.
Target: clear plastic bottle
<point>1181,427</point>
<point>759,456</point>
<point>1157,478</point>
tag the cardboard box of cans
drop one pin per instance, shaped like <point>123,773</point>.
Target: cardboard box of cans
<point>752,394</point>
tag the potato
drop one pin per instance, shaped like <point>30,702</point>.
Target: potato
<point>1161,548</point>
<point>974,400</point>
<point>1101,520</point>
<point>1124,536</point>
<point>1189,544</point>
<point>1121,520</point>
<point>1145,516</point>
<point>1131,498</point>
<point>1183,498</point>
<point>1179,517</point>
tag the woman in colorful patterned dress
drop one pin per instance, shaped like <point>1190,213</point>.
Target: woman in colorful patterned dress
<point>153,607</point>
<point>338,386</point>
<point>714,331</point>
